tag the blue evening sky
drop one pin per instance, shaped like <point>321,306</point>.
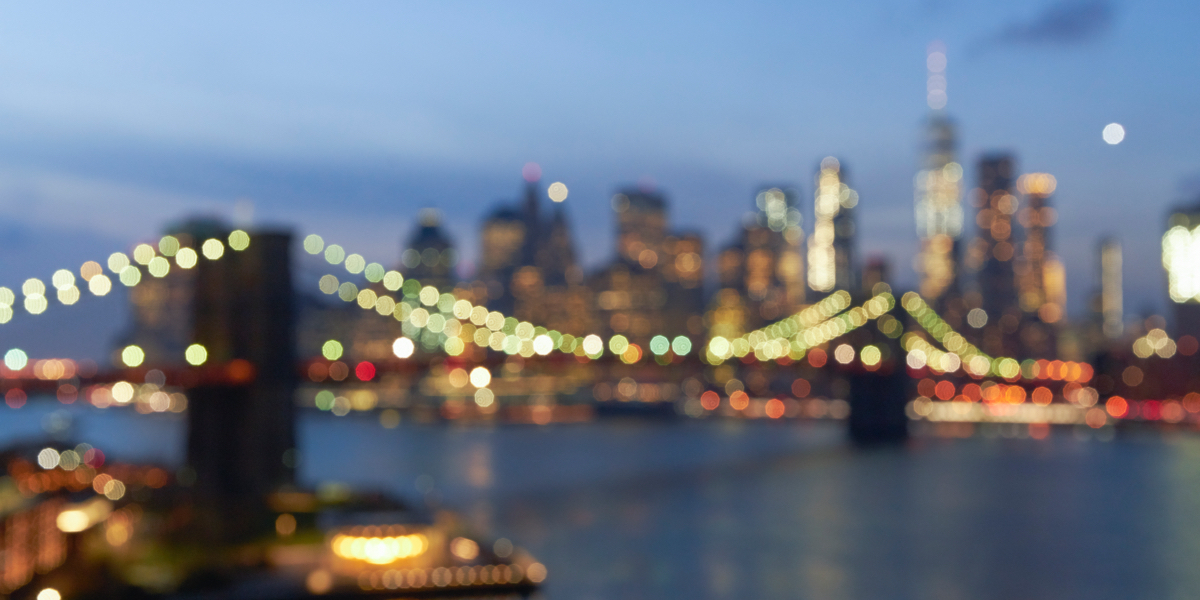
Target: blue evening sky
<point>346,118</point>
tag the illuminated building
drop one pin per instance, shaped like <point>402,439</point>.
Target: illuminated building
<point>635,295</point>
<point>1040,277</point>
<point>430,257</point>
<point>992,255</point>
<point>684,272</point>
<point>831,260</point>
<point>938,192</point>
<point>764,267</point>
<point>1112,304</point>
<point>1181,259</point>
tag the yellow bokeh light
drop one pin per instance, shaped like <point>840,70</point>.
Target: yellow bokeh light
<point>132,356</point>
<point>239,240</point>
<point>313,244</point>
<point>159,267</point>
<point>392,280</point>
<point>117,262</point>
<point>100,285</point>
<point>332,350</point>
<point>379,550</point>
<point>143,253</point>
<point>69,295</point>
<point>186,258</point>
<point>33,287</point>
<point>168,245</point>
<point>62,279</point>
<point>334,254</point>
<point>212,249</point>
<point>196,355</point>
<point>36,304</point>
<point>131,276</point>
<point>355,263</point>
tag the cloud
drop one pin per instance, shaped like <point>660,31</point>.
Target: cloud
<point>1062,23</point>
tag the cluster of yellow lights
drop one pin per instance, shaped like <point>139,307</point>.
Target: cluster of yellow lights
<point>832,196</point>
<point>122,268</point>
<point>821,324</point>
<point>1181,258</point>
<point>1042,184</point>
<point>1154,342</point>
<point>379,550</point>
<point>460,321</point>
<point>961,352</point>
<point>133,356</point>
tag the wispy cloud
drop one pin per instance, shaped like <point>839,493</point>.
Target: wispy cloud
<point>1061,23</point>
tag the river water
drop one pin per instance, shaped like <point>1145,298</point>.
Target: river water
<point>752,509</point>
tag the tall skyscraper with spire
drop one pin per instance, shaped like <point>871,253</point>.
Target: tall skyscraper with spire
<point>938,191</point>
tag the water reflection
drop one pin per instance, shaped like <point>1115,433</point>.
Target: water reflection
<point>763,510</point>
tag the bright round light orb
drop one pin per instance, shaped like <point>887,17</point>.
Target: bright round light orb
<point>558,191</point>
<point>1114,133</point>
<point>403,347</point>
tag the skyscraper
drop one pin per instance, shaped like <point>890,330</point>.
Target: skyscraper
<point>634,295</point>
<point>1041,279</point>
<point>631,294</point>
<point>938,191</point>
<point>992,254</point>
<point>831,259</point>
<point>1112,303</point>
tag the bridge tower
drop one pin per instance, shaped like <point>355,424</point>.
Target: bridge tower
<point>879,394</point>
<point>241,417</point>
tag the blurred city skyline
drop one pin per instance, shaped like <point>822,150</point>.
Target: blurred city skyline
<point>123,120</point>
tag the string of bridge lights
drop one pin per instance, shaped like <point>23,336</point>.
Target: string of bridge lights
<point>461,322</point>
<point>125,270</point>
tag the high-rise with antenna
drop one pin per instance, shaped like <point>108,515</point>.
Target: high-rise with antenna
<point>938,190</point>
